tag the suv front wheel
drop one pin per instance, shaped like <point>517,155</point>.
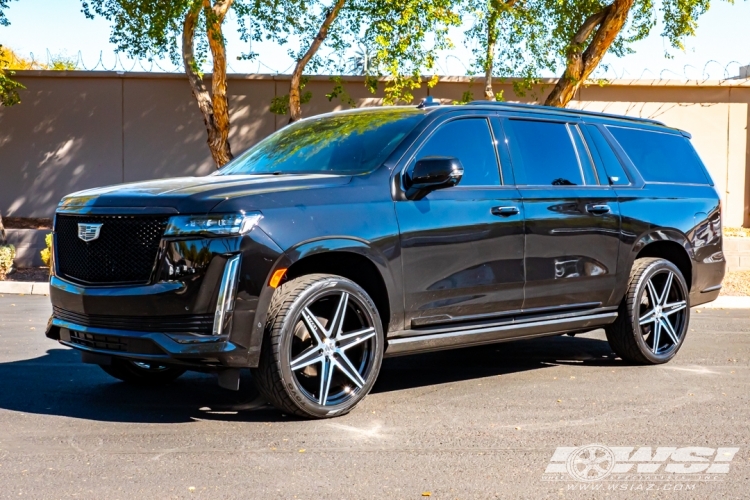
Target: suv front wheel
<point>653,317</point>
<point>322,349</point>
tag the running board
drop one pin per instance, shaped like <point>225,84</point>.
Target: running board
<point>408,342</point>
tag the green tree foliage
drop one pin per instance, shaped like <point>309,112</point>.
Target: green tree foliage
<point>11,60</point>
<point>523,38</point>
<point>3,19</point>
<point>400,40</point>
<point>46,252</point>
<point>406,36</point>
<point>508,39</point>
<point>580,33</point>
<point>8,87</point>
<point>7,256</point>
<point>314,23</point>
<point>61,62</point>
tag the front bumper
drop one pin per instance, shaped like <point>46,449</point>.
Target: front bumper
<point>187,283</point>
<point>145,346</point>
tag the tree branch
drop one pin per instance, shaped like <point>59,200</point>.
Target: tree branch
<point>295,106</point>
<point>580,63</point>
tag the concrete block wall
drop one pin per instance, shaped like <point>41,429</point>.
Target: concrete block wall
<point>737,253</point>
<point>29,243</point>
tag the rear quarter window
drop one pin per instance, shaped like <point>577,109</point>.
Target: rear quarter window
<point>661,157</point>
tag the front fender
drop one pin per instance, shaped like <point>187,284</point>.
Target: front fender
<point>370,252</point>
<point>338,244</point>
<point>310,248</point>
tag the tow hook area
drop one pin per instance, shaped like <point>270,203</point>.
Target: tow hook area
<point>229,378</point>
<point>95,358</point>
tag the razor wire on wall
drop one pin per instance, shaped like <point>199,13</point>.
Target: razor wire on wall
<point>450,64</point>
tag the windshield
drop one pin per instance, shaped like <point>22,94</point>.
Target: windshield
<point>343,143</point>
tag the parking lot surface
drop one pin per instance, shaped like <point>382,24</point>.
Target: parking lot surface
<point>480,422</point>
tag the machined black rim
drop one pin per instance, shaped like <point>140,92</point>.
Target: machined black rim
<point>333,348</point>
<point>662,313</point>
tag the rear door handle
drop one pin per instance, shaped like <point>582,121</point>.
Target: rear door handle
<point>598,209</point>
<point>505,211</point>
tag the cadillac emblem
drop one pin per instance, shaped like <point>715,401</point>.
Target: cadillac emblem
<point>89,232</point>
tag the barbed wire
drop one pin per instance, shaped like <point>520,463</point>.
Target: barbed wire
<point>450,64</point>
<point>606,72</point>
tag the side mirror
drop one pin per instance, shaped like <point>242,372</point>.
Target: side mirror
<point>431,173</point>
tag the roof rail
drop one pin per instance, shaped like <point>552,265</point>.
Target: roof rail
<point>552,109</point>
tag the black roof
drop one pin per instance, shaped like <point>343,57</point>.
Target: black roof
<point>513,106</point>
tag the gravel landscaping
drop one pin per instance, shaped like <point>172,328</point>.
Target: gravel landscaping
<point>737,284</point>
<point>29,274</point>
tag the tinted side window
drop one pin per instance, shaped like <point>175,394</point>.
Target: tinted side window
<point>612,165</point>
<point>543,153</point>
<point>661,157</point>
<point>470,141</point>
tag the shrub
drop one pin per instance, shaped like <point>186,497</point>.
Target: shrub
<point>7,254</point>
<point>47,252</point>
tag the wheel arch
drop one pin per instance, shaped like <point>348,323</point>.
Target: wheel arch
<point>351,258</point>
<point>669,244</point>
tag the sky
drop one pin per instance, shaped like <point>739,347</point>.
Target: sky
<point>51,27</point>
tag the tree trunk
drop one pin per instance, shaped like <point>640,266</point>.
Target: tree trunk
<point>489,60</point>
<point>3,241</point>
<point>494,9</point>
<point>608,23</point>
<point>219,141</point>
<point>295,104</point>
<point>214,110</point>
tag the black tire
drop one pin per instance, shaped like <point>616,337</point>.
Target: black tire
<point>142,373</point>
<point>291,336</point>
<point>633,334</point>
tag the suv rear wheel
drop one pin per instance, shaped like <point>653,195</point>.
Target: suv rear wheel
<point>653,317</point>
<point>323,347</point>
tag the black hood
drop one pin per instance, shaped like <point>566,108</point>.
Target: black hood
<point>189,194</point>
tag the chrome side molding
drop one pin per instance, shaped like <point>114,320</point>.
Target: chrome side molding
<point>407,344</point>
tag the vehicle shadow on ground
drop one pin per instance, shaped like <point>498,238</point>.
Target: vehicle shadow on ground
<point>59,384</point>
<point>443,367</point>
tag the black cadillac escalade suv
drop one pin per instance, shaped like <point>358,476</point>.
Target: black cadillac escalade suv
<point>355,235</point>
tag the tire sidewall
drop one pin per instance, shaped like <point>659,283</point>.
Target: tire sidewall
<point>308,296</point>
<point>654,268</point>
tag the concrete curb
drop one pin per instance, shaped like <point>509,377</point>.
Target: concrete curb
<point>24,287</point>
<point>727,302</point>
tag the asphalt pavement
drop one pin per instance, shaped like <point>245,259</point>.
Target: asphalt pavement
<point>483,422</point>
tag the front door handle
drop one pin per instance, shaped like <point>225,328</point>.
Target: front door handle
<point>505,211</point>
<point>598,209</point>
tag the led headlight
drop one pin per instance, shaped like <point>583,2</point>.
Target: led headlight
<point>213,224</point>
